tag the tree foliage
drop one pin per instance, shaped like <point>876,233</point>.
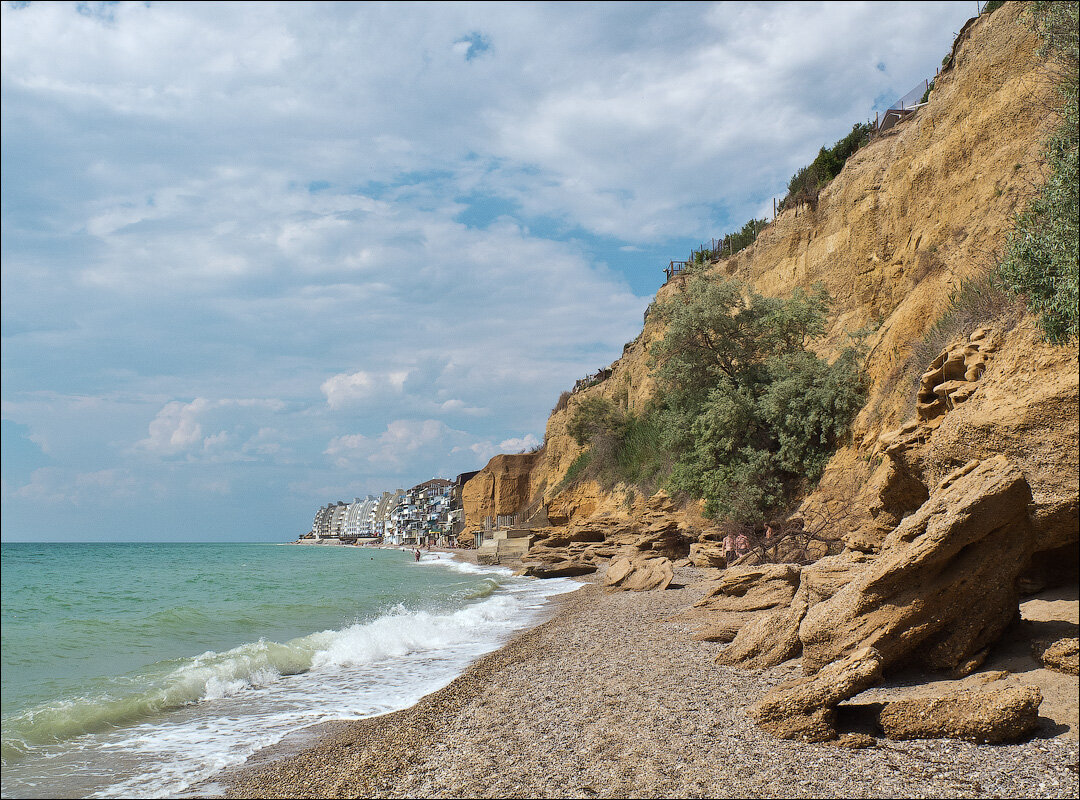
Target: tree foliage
<point>808,181</point>
<point>750,412</point>
<point>1041,258</point>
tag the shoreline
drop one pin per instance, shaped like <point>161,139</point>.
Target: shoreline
<point>610,696</point>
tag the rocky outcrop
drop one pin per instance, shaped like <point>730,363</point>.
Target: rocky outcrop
<point>987,395</point>
<point>944,585</point>
<point>504,486</point>
<point>766,639</point>
<point>641,574</point>
<point>992,713</point>
<point>953,376</point>
<point>805,708</point>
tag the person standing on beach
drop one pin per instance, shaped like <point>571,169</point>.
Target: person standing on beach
<point>729,549</point>
<point>742,544</point>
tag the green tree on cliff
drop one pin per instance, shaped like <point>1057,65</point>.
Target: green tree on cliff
<point>751,414</point>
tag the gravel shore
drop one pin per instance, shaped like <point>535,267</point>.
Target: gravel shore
<point>611,697</point>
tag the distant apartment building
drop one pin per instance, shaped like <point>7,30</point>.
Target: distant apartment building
<point>360,519</point>
<point>414,517</point>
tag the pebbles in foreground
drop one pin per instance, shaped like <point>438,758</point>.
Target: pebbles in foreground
<point>612,698</point>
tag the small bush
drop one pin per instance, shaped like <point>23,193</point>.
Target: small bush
<point>805,184</point>
<point>1041,259</point>
<point>595,417</point>
<point>562,402</point>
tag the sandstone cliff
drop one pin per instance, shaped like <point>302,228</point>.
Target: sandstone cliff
<point>912,215</point>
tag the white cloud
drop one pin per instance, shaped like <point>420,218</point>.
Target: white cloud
<point>202,202</point>
<point>392,449</point>
<point>519,443</point>
<point>178,429</point>
<point>346,388</point>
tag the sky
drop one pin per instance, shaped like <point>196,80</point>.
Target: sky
<point>259,257</point>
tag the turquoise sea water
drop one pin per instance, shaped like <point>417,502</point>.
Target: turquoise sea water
<point>141,669</point>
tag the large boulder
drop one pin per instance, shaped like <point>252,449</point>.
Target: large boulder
<point>772,637</point>
<point>944,585</point>
<point>805,708</point>
<point>558,569</point>
<point>639,575</point>
<point>989,714</point>
<point>707,554</point>
<point>752,588</point>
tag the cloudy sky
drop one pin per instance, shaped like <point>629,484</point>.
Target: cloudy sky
<point>258,257</point>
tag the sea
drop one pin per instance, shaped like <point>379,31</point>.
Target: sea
<point>142,670</point>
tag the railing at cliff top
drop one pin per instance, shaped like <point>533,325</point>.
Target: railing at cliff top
<point>902,108</point>
<point>519,519</point>
<point>593,379</point>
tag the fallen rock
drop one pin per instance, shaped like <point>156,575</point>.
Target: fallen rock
<point>805,708</point>
<point>724,627</point>
<point>558,569</point>
<point>768,639</point>
<point>943,587</point>
<point>707,554</point>
<point>640,575</point>
<point>773,637</point>
<point>990,714</point>
<point>1060,656</point>
<point>752,588</point>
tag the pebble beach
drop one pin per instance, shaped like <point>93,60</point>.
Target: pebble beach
<point>612,697</point>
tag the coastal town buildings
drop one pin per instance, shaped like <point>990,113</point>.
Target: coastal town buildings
<point>420,516</point>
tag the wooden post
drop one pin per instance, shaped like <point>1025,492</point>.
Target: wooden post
<point>774,208</point>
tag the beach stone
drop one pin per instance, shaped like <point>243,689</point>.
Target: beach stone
<point>1060,656</point>
<point>640,575</point>
<point>943,587</point>
<point>558,569</point>
<point>990,714</point>
<point>805,708</point>
<point>707,554</point>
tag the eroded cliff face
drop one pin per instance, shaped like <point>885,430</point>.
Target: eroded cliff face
<point>505,485</point>
<point>913,215</point>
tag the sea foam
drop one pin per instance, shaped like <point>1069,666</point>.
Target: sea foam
<point>221,706</point>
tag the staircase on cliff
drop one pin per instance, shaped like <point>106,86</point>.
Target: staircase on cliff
<point>505,547</point>
<point>511,537</point>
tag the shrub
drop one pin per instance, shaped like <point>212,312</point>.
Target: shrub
<point>748,413</point>
<point>594,417</point>
<point>805,184</point>
<point>1040,261</point>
